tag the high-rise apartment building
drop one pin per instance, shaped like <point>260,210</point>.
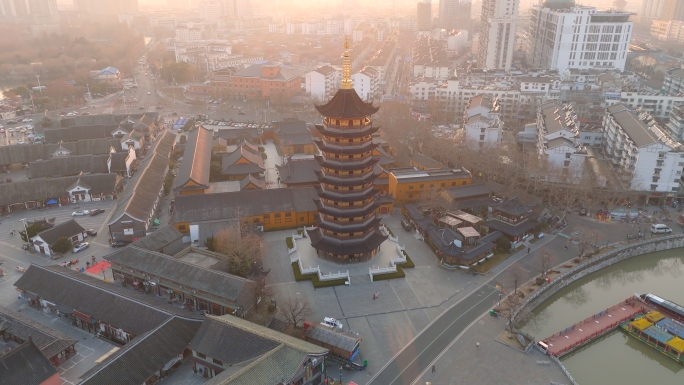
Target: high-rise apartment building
<point>210,10</point>
<point>454,14</point>
<point>672,10</point>
<point>580,37</point>
<point>498,26</point>
<point>36,11</point>
<point>424,15</point>
<point>106,7</point>
<point>651,9</point>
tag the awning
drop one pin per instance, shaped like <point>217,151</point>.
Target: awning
<point>30,295</point>
<point>52,201</point>
<point>64,309</point>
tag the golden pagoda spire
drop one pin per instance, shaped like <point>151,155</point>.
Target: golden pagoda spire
<point>346,67</point>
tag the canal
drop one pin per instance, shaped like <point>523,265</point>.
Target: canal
<point>615,358</point>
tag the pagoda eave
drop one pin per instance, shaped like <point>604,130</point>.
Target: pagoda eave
<point>331,163</point>
<point>346,247</point>
<point>347,134</point>
<point>345,150</point>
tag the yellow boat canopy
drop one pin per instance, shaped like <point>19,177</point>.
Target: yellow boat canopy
<point>676,344</point>
<point>654,316</point>
<point>641,323</point>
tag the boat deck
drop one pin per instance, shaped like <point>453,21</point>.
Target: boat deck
<point>584,331</point>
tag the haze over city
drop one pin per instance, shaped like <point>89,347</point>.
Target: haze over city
<point>305,192</point>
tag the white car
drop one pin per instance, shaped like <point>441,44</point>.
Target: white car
<point>84,108</point>
<point>81,246</point>
<point>78,213</point>
<point>70,114</point>
<point>332,323</point>
<point>149,93</point>
<point>27,120</point>
<point>20,141</point>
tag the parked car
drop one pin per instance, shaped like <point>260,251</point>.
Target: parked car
<point>660,229</point>
<point>96,212</point>
<point>242,113</point>
<point>406,224</point>
<point>27,120</point>
<point>20,141</point>
<point>2,130</point>
<point>141,108</point>
<point>149,93</point>
<point>81,246</point>
<point>91,232</point>
<point>120,243</point>
<point>11,122</point>
<point>332,323</point>
<point>80,213</point>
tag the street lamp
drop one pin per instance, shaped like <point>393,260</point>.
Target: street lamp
<point>39,88</point>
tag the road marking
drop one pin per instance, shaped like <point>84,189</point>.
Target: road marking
<point>523,255</point>
<point>440,334</point>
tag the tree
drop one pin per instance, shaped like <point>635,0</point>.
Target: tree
<point>585,239</point>
<point>295,309</point>
<point>261,291</point>
<point>239,244</point>
<point>183,139</point>
<point>543,262</point>
<point>210,243</point>
<point>513,311</point>
<point>503,244</point>
<point>62,245</point>
<point>32,231</point>
<point>432,199</point>
<point>515,275</point>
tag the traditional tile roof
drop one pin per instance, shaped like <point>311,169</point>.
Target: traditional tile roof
<point>215,283</point>
<point>145,355</point>
<point>68,165</point>
<point>255,165</point>
<point>121,307</point>
<point>49,341</point>
<point>342,340</point>
<point>14,365</point>
<point>47,188</point>
<point>254,71</point>
<point>425,161</point>
<point>67,229</point>
<point>143,189</point>
<point>281,361</point>
<point>108,71</point>
<point>34,152</point>
<point>291,127</point>
<point>214,337</point>
<point>346,104</point>
<point>299,171</point>
<point>512,206</point>
<point>158,239</point>
<point>196,159</point>
<point>201,208</point>
<point>469,191</point>
<point>250,179</point>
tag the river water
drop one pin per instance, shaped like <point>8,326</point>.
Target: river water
<point>615,358</point>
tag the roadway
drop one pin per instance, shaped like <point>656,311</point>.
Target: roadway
<point>405,367</point>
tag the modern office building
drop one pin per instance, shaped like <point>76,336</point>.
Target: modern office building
<point>563,36</point>
<point>498,26</point>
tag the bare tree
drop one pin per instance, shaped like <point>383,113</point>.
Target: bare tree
<point>515,275</point>
<point>543,262</point>
<point>242,246</point>
<point>585,239</point>
<point>433,200</point>
<point>261,291</point>
<point>296,309</point>
<point>513,311</point>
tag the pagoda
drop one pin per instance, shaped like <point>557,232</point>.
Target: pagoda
<point>348,229</point>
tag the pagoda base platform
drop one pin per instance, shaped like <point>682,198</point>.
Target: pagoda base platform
<point>309,257</point>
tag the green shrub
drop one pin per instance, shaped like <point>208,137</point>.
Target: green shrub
<point>62,245</point>
<point>299,277</point>
<point>261,149</point>
<point>409,263</point>
<point>271,308</point>
<point>290,242</point>
<point>263,155</point>
<point>503,244</point>
<point>389,231</point>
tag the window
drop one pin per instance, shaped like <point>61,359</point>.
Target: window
<point>422,185</point>
<point>464,183</point>
<point>655,179</point>
<point>201,355</point>
<point>566,163</point>
<point>410,196</point>
<point>653,187</point>
<point>453,183</point>
<point>217,362</point>
<point>256,220</point>
<point>182,228</point>
<point>410,187</point>
<point>567,155</point>
<point>301,219</point>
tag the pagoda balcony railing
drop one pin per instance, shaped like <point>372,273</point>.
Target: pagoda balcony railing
<point>357,222</point>
<point>346,144</point>
<point>329,124</point>
<point>342,209</point>
<point>355,237</point>
<point>346,160</point>
<point>346,193</point>
<point>347,176</point>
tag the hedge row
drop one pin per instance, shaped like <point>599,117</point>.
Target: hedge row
<point>314,278</point>
<point>398,274</point>
<point>290,242</point>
